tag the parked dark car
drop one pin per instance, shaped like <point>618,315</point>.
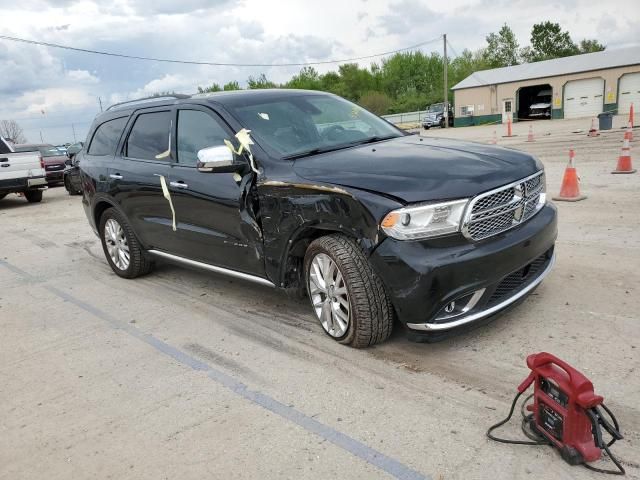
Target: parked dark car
<point>324,197</point>
<point>71,174</point>
<point>53,159</point>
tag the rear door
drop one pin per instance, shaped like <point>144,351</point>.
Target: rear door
<point>134,175</point>
<point>213,210</point>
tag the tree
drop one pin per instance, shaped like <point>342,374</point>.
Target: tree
<point>12,131</point>
<point>549,41</point>
<point>260,82</point>
<point>502,48</point>
<point>229,86</point>
<point>590,46</point>
<point>214,87</point>
<point>307,79</point>
<point>376,102</point>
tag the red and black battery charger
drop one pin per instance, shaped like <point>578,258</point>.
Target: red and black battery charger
<point>566,413</point>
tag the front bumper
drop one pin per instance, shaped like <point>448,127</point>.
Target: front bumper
<point>423,278</point>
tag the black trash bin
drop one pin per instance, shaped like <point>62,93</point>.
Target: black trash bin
<point>605,120</point>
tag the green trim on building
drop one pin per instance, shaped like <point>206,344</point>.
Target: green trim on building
<point>557,113</point>
<point>611,107</point>
<point>477,120</point>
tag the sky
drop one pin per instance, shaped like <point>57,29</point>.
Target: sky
<point>68,86</point>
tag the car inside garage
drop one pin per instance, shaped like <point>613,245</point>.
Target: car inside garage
<point>534,102</point>
<point>629,92</point>
<point>583,98</point>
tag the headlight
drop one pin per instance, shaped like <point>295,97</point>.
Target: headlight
<point>424,221</point>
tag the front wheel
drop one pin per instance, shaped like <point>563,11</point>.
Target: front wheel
<point>346,295</point>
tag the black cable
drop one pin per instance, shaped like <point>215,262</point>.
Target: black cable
<point>524,422</point>
<point>606,446</point>
<point>217,64</point>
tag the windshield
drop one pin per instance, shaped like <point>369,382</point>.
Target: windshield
<point>287,127</point>
<point>50,151</point>
<point>436,108</point>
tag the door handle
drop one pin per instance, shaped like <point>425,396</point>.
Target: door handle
<point>179,184</point>
<point>115,176</point>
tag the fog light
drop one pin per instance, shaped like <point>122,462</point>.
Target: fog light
<point>450,308</point>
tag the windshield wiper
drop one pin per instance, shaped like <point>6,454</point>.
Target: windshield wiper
<point>317,150</point>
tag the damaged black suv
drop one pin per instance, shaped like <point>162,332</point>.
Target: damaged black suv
<point>306,191</point>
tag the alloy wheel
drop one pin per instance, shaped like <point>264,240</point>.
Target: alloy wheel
<point>329,295</point>
<point>117,245</point>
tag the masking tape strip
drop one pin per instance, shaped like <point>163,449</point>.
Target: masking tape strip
<point>167,195</point>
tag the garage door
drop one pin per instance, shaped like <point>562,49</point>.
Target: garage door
<point>583,98</point>
<point>628,92</point>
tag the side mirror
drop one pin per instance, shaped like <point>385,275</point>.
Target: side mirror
<point>217,159</point>
<point>68,161</point>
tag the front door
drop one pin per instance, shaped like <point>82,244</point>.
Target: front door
<point>215,221</point>
<point>135,176</point>
<point>507,110</point>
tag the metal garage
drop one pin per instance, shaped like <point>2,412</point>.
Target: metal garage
<point>568,87</point>
<point>583,98</point>
<point>629,92</point>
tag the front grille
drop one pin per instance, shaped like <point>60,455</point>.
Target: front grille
<point>519,279</point>
<point>499,210</point>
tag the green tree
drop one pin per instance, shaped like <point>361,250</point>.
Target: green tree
<point>376,102</point>
<point>355,81</point>
<point>549,41</point>
<point>502,48</point>
<point>233,85</point>
<point>261,82</point>
<point>307,79</point>
<point>214,87</point>
<point>590,46</point>
<point>411,75</point>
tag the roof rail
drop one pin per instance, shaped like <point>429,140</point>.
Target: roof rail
<point>149,99</point>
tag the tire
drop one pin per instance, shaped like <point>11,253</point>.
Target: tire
<point>33,196</point>
<point>2,195</point>
<point>70,189</point>
<point>120,239</point>
<point>370,315</point>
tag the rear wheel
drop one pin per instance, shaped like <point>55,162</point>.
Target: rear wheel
<point>33,196</point>
<point>346,295</point>
<point>121,247</point>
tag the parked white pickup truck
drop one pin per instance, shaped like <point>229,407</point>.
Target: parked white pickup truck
<point>21,173</point>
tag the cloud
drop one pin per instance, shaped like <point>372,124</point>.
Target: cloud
<point>82,76</point>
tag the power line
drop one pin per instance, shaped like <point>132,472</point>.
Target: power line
<point>217,64</point>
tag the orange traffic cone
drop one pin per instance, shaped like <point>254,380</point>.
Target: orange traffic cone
<point>624,160</point>
<point>629,133</point>
<point>631,115</point>
<point>508,126</point>
<point>570,189</point>
<point>530,136</point>
<point>494,140</point>
<point>593,131</point>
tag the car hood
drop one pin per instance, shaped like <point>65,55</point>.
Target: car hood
<point>416,169</point>
<point>540,105</point>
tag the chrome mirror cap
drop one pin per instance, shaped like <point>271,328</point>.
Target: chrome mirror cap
<point>214,158</point>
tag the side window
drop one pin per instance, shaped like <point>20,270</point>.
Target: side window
<point>149,136</point>
<point>106,138</point>
<point>197,130</point>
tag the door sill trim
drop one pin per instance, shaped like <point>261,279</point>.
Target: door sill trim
<point>212,268</point>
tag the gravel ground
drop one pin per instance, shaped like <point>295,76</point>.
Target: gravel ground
<point>184,374</point>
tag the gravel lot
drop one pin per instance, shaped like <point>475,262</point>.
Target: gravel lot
<point>184,374</point>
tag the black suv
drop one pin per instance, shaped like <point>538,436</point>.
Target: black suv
<point>306,191</point>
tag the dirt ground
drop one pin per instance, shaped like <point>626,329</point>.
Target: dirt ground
<point>191,375</point>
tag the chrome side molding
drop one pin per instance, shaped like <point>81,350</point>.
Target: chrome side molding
<point>211,268</point>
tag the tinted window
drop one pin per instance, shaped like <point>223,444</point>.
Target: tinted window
<point>197,130</point>
<point>149,136</point>
<point>106,137</point>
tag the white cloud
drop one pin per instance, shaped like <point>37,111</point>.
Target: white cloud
<point>82,76</point>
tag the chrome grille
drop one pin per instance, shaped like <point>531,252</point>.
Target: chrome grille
<point>501,209</point>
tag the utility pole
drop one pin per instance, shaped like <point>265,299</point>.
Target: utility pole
<point>74,132</point>
<point>100,102</point>
<point>445,105</point>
